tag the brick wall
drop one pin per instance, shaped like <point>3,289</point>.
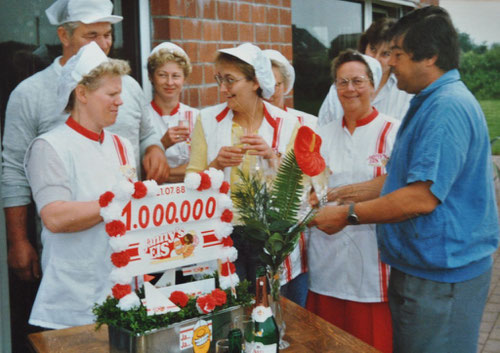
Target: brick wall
<point>201,27</point>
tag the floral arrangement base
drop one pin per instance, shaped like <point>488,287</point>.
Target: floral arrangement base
<point>176,338</point>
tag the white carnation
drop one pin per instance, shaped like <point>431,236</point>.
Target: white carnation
<point>118,243</point>
<point>128,302</point>
<point>152,186</point>
<point>192,181</point>
<point>224,201</point>
<point>120,275</point>
<point>223,229</point>
<point>229,281</point>
<point>123,190</point>
<point>216,177</point>
<point>112,212</point>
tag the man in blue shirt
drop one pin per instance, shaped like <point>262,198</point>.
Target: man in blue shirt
<point>435,209</point>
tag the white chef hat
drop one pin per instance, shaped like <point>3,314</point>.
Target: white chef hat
<point>170,47</point>
<point>88,58</point>
<point>278,59</point>
<point>254,56</point>
<point>375,68</point>
<point>86,11</point>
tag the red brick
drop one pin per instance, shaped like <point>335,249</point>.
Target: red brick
<point>246,32</point>
<point>196,77</point>
<point>229,31</point>
<point>272,15</point>
<point>243,12</point>
<point>287,51</point>
<point>207,10</point>
<point>275,34</point>
<point>208,73</point>
<point>191,29</point>
<point>286,17</point>
<point>287,3</point>
<point>225,10</point>
<point>260,1</point>
<point>169,7</point>
<point>191,49</point>
<point>258,14</point>
<point>287,34</point>
<point>192,96</point>
<point>190,8</point>
<point>166,29</point>
<point>261,33</point>
<point>276,46</point>
<point>209,95</point>
<point>207,52</point>
<point>211,31</point>
<point>159,7</point>
<point>274,2</point>
<point>265,46</point>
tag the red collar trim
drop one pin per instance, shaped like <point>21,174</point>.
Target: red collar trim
<point>176,109</point>
<point>269,118</point>
<point>84,131</point>
<point>159,111</point>
<point>156,108</point>
<point>366,120</point>
<point>222,114</point>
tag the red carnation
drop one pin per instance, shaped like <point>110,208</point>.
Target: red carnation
<point>205,182</point>
<point>179,298</point>
<point>106,198</point>
<point>121,290</point>
<point>227,216</point>
<point>115,228</point>
<point>224,188</point>
<point>120,259</point>
<point>219,296</point>
<point>227,241</point>
<point>140,190</point>
<point>227,268</point>
<point>306,148</point>
<point>205,304</point>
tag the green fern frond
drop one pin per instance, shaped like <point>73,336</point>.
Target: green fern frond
<point>287,189</point>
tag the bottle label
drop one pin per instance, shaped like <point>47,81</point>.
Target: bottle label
<point>261,313</point>
<point>258,347</point>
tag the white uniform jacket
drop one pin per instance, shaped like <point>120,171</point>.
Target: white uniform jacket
<point>347,265</point>
<point>179,153</point>
<point>76,266</point>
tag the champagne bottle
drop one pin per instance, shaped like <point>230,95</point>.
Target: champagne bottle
<point>264,338</point>
<point>235,340</point>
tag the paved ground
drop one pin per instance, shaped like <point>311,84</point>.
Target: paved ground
<point>489,335</point>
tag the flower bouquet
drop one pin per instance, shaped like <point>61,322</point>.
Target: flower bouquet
<point>270,214</point>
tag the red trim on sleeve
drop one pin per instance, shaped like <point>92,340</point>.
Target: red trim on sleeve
<point>94,136</point>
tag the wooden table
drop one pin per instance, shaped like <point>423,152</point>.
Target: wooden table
<point>306,332</point>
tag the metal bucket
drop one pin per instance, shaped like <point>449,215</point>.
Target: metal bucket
<point>169,339</point>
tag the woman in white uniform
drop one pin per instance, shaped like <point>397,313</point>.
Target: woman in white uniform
<point>244,132</point>
<point>168,68</point>
<point>284,73</point>
<point>68,168</point>
<point>348,283</point>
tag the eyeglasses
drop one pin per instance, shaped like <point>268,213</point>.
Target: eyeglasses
<point>357,82</point>
<point>227,81</point>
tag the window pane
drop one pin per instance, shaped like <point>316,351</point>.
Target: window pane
<point>320,29</point>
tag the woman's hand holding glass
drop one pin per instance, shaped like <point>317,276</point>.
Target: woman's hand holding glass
<point>228,156</point>
<point>255,145</point>
<point>175,134</point>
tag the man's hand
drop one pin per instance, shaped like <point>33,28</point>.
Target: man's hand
<point>23,260</point>
<point>331,219</point>
<point>155,164</point>
<point>22,257</point>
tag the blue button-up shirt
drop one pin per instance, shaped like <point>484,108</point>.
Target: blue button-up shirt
<point>443,139</point>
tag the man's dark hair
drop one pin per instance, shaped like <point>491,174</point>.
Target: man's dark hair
<point>427,32</point>
<point>376,34</point>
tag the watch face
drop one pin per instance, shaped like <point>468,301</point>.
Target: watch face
<point>352,217</point>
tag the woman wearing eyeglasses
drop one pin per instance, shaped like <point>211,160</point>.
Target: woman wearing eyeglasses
<point>244,132</point>
<point>168,68</point>
<point>348,283</point>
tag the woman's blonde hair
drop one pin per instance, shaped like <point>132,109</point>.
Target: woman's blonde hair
<point>92,81</point>
<point>163,56</point>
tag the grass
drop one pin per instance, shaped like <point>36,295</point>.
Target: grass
<point>491,109</point>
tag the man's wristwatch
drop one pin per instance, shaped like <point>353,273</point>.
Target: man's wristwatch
<point>352,217</point>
